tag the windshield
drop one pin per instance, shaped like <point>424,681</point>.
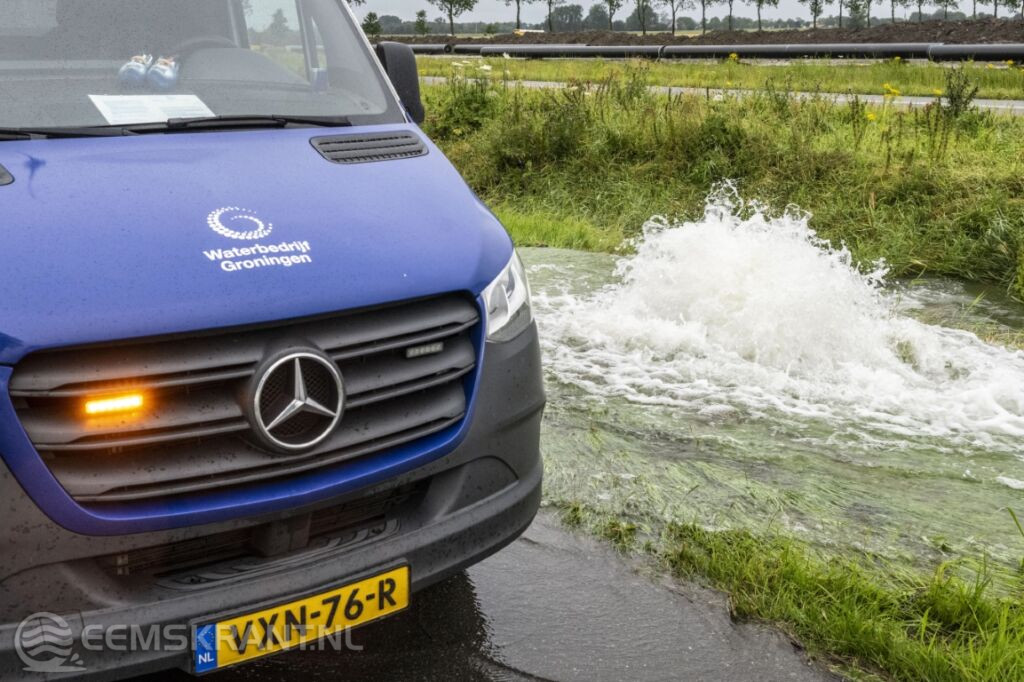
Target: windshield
<point>83,63</point>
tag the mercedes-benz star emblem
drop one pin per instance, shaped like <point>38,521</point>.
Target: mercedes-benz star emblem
<point>298,401</point>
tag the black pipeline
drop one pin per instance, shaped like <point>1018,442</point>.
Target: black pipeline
<point>933,51</point>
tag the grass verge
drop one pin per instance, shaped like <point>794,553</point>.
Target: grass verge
<point>938,190</point>
<point>1002,81</point>
<point>858,615</point>
<point>535,227</point>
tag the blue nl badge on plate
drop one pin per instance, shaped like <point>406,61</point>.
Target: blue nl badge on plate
<point>206,648</point>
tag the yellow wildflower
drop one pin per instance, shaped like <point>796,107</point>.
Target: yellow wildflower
<point>937,92</point>
<point>871,116</point>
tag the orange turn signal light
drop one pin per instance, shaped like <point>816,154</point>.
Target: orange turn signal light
<point>114,404</point>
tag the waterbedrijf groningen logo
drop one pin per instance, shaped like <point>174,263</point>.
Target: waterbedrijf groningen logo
<point>44,644</point>
<point>234,214</point>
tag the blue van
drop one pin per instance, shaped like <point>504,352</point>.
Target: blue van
<point>267,365</point>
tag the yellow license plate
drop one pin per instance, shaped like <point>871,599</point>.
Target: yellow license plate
<point>286,626</point>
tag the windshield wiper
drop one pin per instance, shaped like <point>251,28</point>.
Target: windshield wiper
<point>176,124</point>
<point>240,121</point>
<point>7,134</point>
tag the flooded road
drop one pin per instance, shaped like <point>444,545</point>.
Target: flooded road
<point>737,372</point>
<point>552,606</point>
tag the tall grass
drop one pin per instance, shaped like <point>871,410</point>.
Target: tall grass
<point>859,615</point>
<point>930,190</point>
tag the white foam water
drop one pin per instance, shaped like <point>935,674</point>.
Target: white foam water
<point>749,313</point>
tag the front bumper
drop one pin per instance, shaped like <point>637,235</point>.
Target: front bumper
<point>469,504</point>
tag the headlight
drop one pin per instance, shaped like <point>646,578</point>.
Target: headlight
<point>508,302</point>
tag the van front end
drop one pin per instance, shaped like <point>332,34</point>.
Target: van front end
<point>267,365</point>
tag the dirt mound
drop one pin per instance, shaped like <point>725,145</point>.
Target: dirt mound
<point>957,32</point>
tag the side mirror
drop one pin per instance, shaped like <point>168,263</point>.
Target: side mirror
<point>400,64</point>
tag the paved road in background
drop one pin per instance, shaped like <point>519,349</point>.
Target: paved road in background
<point>1014,107</point>
<point>552,606</point>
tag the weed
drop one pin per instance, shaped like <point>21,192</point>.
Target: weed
<point>1020,529</point>
<point>961,90</point>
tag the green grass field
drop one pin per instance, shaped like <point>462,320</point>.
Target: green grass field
<point>930,190</point>
<point>1000,81</point>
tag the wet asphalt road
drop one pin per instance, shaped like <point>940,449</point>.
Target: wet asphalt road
<point>552,606</point>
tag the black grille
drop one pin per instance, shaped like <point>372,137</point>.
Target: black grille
<point>192,433</point>
<point>370,147</point>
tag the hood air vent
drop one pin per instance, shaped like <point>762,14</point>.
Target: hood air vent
<point>370,147</point>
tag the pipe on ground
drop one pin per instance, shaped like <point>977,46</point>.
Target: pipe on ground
<point>933,51</point>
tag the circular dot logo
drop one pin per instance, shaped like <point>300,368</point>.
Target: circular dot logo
<point>239,219</point>
<point>44,643</point>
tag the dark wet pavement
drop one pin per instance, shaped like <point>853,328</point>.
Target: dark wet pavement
<point>552,606</point>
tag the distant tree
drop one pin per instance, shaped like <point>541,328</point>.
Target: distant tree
<point>567,18</point>
<point>860,13</point>
<point>356,3</point>
<point>371,25</point>
<point>278,31</point>
<point>920,10</point>
<point>552,4</point>
<point>650,19</point>
<point>1012,5</point>
<point>597,18</point>
<point>420,25</point>
<point>817,8</point>
<point>390,24</point>
<point>453,8</point>
<point>686,23</point>
<point>996,4</point>
<point>519,6</point>
<point>760,4</point>
<point>677,6</point>
<point>946,5</point>
<point>840,3</point>
<point>704,4</point>
<point>893,4</point>
<point>643,10</point>
<point>729,4</point>
<point>613,7</point>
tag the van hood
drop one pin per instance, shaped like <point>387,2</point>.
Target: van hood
<point>122,237</point>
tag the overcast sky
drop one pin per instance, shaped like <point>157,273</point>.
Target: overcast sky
<point>495,10</point>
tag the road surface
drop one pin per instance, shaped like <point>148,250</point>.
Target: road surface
<point>554,605</point>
